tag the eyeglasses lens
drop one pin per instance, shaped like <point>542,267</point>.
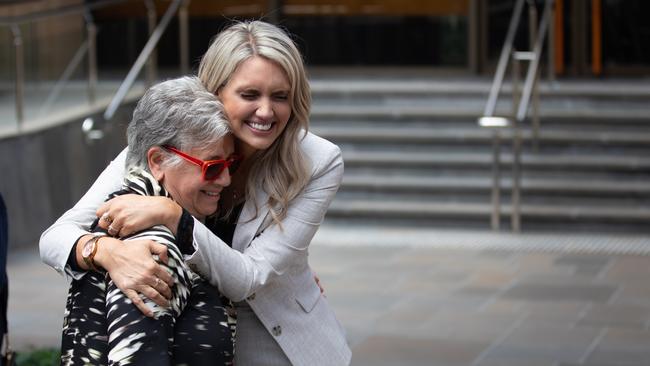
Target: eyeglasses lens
<point>234,165</point>
<point>214,170</point>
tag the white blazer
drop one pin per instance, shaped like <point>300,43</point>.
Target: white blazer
<point>268,267</point>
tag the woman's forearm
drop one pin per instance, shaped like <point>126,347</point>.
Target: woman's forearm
<point>272,251</point>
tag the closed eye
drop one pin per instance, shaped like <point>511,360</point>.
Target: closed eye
<point>249,96</point>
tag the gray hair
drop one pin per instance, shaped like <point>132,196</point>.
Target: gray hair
<point>178,112</point>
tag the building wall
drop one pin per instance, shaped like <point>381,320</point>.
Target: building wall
<point>46,173</point>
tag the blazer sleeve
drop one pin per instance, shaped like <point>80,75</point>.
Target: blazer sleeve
<point>57,241</point>
<point>239,274</point>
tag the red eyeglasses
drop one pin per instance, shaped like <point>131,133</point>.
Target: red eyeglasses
<point>211,169</point>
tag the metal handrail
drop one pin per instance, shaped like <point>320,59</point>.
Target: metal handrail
<point>140,61</point>
<point>67,73</point>
<point>534,64</point>
<point>520,105</point>
<point>497,83</point>
<point>14,22</point>
<point>88,47</point>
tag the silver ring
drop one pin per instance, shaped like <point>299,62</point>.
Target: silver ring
<point>157,282</point>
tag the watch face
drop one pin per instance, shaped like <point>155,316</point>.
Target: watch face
<point>87,249</point>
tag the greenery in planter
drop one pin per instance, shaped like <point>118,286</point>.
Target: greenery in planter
<point>39,357</point>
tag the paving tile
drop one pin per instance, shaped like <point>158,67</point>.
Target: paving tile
<point>421,305</point>
<point>477,291</point>
<point>616,316</point>
<point>535,262</point>
<point>36,302</point>
<point>501,254</point>
<point>579,260</point>
<point>450,302</point>
<point>515,362</point>
<point>620,358</point>
<point>598,363</point>
<point>503,306</point>
<point>634,292</point>
<point>626,268</point>
<point>496,278</point>
<point>543,343</point>
<point>622,347</point>
<point>459,325</point>
<point>394,351</point>
<point>362,301</point>
<point>562,274</point>
<point>435,281</point>
<point>560,292</point>
<point>548,312</point>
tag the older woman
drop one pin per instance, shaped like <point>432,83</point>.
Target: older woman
<point>180,148</point>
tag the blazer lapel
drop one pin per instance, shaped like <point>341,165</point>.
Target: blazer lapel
<point>248,224</point>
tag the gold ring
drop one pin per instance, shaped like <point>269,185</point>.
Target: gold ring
<point>106,217</point>
<point>111,230</point>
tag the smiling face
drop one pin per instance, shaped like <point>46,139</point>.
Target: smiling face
<point>185,182</point>
<point>256,101</point>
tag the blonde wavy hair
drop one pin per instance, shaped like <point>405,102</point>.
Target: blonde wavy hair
<point>281,169</point>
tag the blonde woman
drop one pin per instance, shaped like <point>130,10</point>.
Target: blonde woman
<point>275,203</point>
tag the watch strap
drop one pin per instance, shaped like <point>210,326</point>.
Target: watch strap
<point>90,258</point>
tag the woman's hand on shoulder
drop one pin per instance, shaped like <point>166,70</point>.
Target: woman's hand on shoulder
<point>130,213</point>
<point>134,271</point>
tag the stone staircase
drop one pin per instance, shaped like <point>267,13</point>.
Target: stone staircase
<point>414,154</point>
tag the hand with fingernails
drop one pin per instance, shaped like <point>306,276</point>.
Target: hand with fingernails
<point>133,269</point>
<point>130,213</point>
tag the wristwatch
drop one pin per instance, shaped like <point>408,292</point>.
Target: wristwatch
<point>89,250</point>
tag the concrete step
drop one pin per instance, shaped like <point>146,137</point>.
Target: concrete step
<point>446,109</point>
<point>435,98</point>
<point>446,210</point>
<point>447,184</point>
<point>414,153</point>
<point>383,86</point>
<point>468,159</point>
<point>405,133</point>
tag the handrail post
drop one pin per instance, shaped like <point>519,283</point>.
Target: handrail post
<point>514,184</point>
<point>532,37</point>
<point>515,84</point>
<point>184,37</point>
<point>496,124</point>
<point>515,215</point>
<point>20,74</point>
<point>152,61</point>
<point>495,217</point>
<point>535,120</point>
<point>91,30</point>
<point>489,121</point>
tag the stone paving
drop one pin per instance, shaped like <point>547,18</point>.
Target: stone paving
<point>438,302</point>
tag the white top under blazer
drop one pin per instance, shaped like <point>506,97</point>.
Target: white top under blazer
<point>268,267</point>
